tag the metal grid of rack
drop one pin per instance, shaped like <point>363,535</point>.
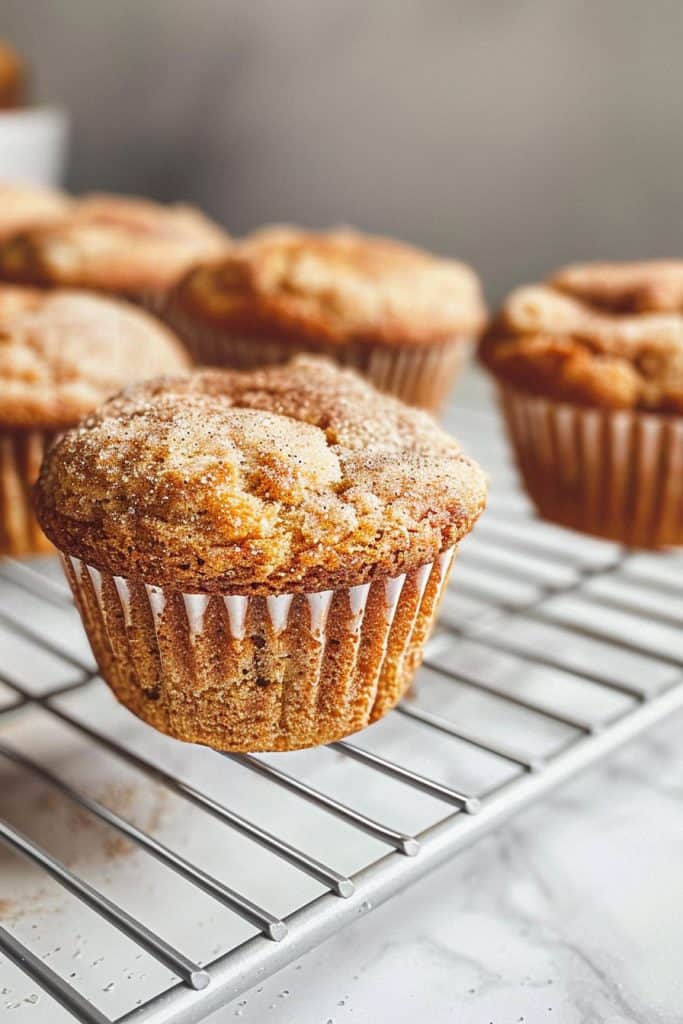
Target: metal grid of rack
<point>552,650</point>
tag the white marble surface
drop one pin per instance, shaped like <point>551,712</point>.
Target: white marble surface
<point>570,914</point>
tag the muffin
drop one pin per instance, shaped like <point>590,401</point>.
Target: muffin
<point>590,373</point>
<point>24,206</point>
<point>405,319</point>
<point>258,556</point>
<point>61,353</point>
<point>119,245</point>
<point>12,77</point>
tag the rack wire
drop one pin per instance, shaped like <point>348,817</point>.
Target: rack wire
<point>552,650</point>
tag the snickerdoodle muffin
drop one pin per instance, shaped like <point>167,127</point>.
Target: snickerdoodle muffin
<point>402,317</point>
<point>24,206</point>
<point>120,245</point>
<point>61,353</point>
<point>590,373</point>
<point>258,557</point>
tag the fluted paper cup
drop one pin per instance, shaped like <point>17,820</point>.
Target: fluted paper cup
<point>420,375</point>
<point>259,673</point>
<point>153,300</point>
<point>21,453</point>
<point>612,473</point>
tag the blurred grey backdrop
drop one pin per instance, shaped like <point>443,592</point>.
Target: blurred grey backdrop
<point>516,135</point>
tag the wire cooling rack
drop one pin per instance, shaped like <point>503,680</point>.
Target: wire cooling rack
<point>142,880</point>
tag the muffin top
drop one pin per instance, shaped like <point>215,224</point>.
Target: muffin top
<point>290,478</point>
<point>604,334</point>
<point>24,206</point>
<point>334,287</point>
<point>63,352</point>
<point>113,243</point>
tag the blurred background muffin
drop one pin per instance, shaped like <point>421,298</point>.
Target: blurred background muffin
<point>61,353</point>
<point>124,246</point>
<point>26,206</point>
<point>402,317</point>
<point>12,77</point>
<point>590,373</point>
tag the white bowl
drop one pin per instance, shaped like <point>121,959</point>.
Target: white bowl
<point>33,144</point>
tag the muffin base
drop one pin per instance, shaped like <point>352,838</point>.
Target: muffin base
<point>21,453</point>
<point>422,376</point>
<point>616,474</point>
<point>259,673</point>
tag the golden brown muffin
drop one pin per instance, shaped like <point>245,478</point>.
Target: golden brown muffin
<point>609,335</point>
<point>12,77</point>
<point>258,557</point>
<point>401,316</point>
<point>121,245</point>
<point>61,353</point>
<point>591,372</point>
<point>24,206</point>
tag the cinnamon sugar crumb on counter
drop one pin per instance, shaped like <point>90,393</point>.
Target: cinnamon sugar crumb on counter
<point>297,477</point>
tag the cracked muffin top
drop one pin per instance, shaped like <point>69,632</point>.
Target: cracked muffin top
<point>25,206</point>
<point>63,352</point>
<point>113,243</point>
<point>290,478</point>
<point>338,286</point>
<point>604,334</point>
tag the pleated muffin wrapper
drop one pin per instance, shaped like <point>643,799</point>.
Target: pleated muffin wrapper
<point>21,453</point>
<point>152,300</point>
<point>613,473</point>
<point>259,673</point>
<point>421,375</point>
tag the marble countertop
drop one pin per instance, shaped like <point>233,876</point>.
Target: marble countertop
<point>571,913</point>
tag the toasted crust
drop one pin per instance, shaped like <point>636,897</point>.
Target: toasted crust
<point>113,243</point>
<point>29,206</point>
<point>63,352</point>
<point>338,287</point>
<point>596,334</point>
<point>292,478</point>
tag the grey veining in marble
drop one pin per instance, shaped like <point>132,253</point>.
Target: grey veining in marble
<point>571,914</point>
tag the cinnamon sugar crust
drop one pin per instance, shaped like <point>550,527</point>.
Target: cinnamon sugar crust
<point>291,478</point>
<point>113,243</point>
<point>337,286</point>
<point>63,352</point>
<point>609,335</point>
<point>24,206</point>
<point>652,287</point>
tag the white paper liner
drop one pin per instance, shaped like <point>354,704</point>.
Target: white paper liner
<point>422,376</point>
<point>259,673</point>
<point>21,453</point>
<point>613,473</point>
